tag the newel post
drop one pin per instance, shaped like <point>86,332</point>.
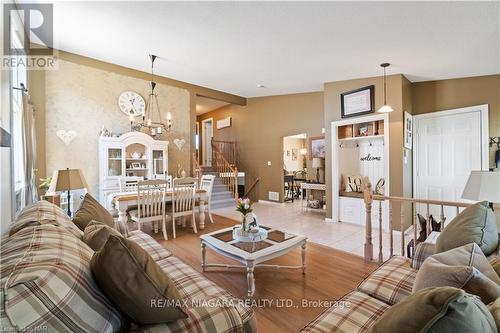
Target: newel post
<point>368,198</point>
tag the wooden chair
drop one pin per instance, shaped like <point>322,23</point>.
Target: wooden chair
<point>207,184</point>
<point>183,201</point>
<point>129,183</point>
<point>150,203</point>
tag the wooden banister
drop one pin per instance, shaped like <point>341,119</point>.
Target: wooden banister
<point>369,197</point>
<point>226,171</point>
<point>227,149</point>
<point>251,187</point>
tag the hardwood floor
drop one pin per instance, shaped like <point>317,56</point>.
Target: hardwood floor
<point>330,274</point>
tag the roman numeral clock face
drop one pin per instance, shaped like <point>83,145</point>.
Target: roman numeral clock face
<point>131,102</point>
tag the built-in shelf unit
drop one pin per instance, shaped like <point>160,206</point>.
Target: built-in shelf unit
<point>360,147</point>
<point>131,154</point>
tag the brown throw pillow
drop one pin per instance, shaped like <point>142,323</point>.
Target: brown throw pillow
<point>465,267</point>
<point>475,224</point>
<point>96,234</point>
<point>90,210</point>
<point>135,283</point>
<point>494,308</point>
<point>437,310</point>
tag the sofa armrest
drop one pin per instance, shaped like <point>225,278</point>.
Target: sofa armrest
<point>422,252</point>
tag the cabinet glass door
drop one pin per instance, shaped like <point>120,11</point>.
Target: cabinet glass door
<point>115,159</point>
<point>158,163</point>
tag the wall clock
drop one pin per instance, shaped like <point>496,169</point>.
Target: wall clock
<point>131,102</point>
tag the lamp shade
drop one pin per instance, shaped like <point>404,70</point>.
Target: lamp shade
<point>67,179</point>
<point>483,186</point>
<point>317,163</point>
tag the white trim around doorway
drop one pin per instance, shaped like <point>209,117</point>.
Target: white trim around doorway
<point>203,137</point>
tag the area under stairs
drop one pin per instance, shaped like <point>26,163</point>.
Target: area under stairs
<point>221,196</point>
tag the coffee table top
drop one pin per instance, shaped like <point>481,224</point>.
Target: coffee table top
<point>276,241</point>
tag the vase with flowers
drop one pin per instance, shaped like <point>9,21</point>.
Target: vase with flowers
<point>244,206</point>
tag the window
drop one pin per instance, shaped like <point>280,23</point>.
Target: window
<point>19,75</point>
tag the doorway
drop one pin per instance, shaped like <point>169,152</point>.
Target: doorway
<point>206,134</point>
<point>448,146</point>
<point>294,165</point>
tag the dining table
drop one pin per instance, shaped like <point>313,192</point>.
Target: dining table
<point>122,200</point>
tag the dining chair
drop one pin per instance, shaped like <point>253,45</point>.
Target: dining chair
<point>129,183</point>
<point>183,201</point>
<point>150,204</point>
<point>207,184</point>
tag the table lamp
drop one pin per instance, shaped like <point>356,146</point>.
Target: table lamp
<point>483,186</point>
<point>317,163</point>
<point>67,180</point>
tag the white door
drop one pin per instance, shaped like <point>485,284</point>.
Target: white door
<point>207,142</point>
<point>449,145</point>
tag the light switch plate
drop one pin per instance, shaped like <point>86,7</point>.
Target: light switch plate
<point>269,163</point>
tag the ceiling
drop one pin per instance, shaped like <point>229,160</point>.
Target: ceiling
<point>204,105</point>
<point>288,47</point>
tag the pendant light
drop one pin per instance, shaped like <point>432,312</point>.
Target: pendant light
<point>385,108</point>
<point>154,127</point>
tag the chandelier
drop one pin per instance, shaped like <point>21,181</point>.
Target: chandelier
<point>151,118</point>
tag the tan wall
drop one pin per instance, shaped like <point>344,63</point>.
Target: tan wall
<point>84,99</point>
<point>441,95</point>
<point>259,128</point>
<point>394,98</point>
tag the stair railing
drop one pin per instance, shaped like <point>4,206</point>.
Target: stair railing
<point>227,172</point>
<point>369,197</point>
<point>227,149</point>
<point>251,187</point>
<point>196,169</point>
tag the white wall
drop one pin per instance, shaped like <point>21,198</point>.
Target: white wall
<point>289,144</point>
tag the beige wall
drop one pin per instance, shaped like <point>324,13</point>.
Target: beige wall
<point>259,128</point>
<point>441,95</point>
<point>84,99</point>
<point>394,98</point>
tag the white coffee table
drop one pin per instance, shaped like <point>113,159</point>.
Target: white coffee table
<point>252,254</point>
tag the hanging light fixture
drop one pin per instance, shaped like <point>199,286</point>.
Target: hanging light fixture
<point>385,108</point>
<point>154,127</point>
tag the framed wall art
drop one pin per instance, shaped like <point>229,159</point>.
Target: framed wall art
<point>317,147</point>
<point>358,102</point>
<point>408,133</point>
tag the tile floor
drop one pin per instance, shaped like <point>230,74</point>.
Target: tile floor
<point>289,217</point>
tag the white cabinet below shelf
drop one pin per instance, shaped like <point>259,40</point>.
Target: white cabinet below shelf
<point>352,210</point>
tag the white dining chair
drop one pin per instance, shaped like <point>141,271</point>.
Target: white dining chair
<point>183,201</point>
<point>150,204</point>
<point>207,184</point>
<point>129,183</point>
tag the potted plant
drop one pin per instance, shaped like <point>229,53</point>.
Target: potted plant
<point>244,206</point>
<point>45,184</point>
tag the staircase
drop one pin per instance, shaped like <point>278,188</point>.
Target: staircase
<point>221,196</point>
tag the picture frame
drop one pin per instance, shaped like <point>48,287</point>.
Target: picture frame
<point>317,147</point>
<point>135,165</point>
<point>358,102</point>
<point>408,131</point>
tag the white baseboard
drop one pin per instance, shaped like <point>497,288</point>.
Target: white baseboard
<point>268,202</point>
<point>328,220</point>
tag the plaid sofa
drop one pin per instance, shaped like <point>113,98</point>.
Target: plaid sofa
<point>46,284</point>
<point>389,284</point>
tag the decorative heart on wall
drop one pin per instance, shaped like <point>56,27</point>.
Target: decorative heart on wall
<point>179,143</point>
<point>66,136</point>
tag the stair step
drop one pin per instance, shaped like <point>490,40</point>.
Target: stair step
<point>222,195</point>
<point>222,203</point>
